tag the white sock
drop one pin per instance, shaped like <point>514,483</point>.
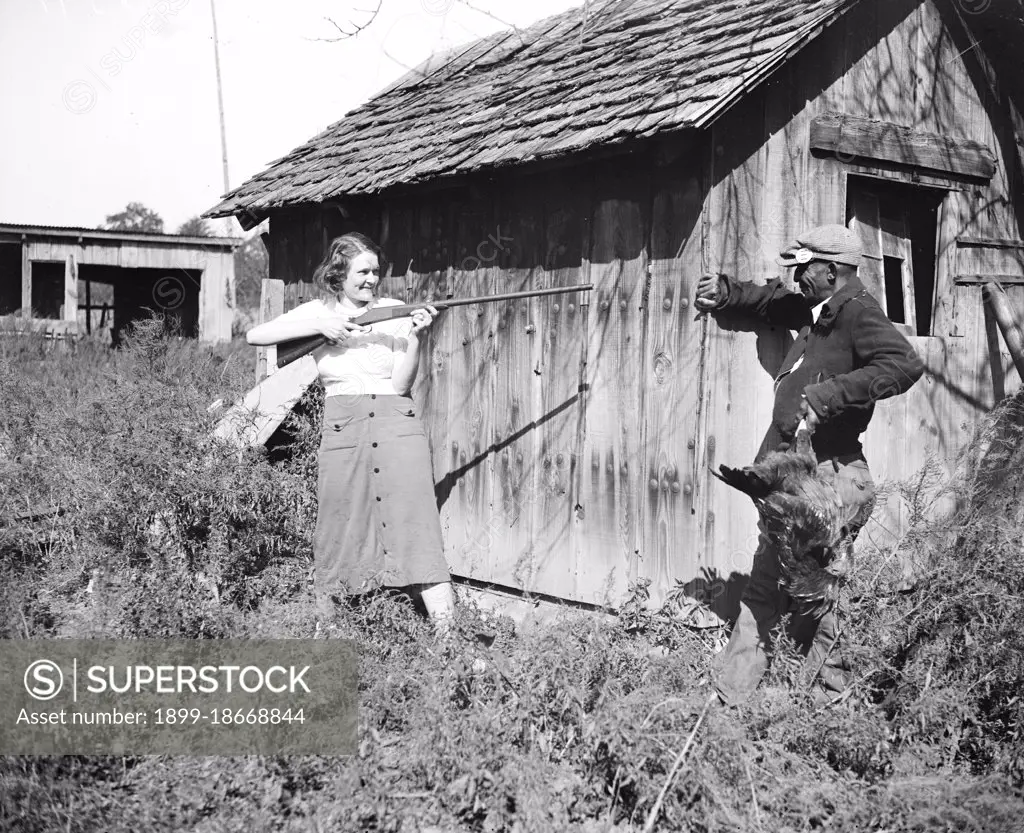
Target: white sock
<point>439,600</point>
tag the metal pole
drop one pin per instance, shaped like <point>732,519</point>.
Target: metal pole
<point>220,98</point>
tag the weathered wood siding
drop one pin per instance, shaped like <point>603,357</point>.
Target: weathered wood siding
<point>572,437</point>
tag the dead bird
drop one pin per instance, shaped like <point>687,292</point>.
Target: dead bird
<point>804,515</point>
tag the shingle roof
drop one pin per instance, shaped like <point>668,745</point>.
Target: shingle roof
<point>614,70</point>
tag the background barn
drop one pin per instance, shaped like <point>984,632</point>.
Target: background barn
<point>60,281</point>
<point>635,146</point>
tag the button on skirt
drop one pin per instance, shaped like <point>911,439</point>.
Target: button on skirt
<point>377,523</point>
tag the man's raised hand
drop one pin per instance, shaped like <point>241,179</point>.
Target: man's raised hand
<point>709,292</point>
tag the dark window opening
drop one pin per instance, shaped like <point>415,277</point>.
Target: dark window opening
<point>924,225</point>
<point>47,290</point>
<point>894,301</point>
<point>898,226</point>
<point>10,278</point>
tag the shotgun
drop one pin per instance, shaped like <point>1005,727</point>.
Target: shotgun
<point>289,351</point>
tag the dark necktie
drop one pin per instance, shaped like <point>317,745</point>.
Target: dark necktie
<point>794,355</point>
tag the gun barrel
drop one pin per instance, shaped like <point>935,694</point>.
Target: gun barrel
<point>512,296</point>
<point>289,351</point>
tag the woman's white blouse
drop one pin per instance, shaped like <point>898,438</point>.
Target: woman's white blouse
<point>366,361</point>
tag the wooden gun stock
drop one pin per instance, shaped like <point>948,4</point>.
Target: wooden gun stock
<point>289,351</point>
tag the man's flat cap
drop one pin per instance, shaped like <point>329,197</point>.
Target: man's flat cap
<point>835,243</point>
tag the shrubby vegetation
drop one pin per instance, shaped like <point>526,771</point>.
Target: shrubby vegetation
<point>170,532</point>
<point>572,726</point>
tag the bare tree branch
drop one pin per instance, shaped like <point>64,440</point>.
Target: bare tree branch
<point>345,34</point>
<point>486,13</point>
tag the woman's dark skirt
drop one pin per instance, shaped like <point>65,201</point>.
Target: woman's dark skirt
<point>377,523</point>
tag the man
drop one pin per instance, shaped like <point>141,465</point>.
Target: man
<point>847,355</point>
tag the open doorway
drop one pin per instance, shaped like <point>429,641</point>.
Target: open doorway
<point>95,308</point>
<point>897,224</point>
<point>110,298</point>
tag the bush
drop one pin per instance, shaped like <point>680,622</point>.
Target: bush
<point>575,725</point>
<point>162,530</point>
<point>950,653</point>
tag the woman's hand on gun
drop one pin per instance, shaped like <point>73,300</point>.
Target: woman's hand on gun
<point>422,319</point>
<point>338,330</point>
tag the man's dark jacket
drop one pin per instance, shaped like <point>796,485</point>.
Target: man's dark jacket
<point>852,357</point>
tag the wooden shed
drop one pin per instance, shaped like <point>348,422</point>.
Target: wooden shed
<point>637,145</point>
<point>74,280</point>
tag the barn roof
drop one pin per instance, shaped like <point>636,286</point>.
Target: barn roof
<point>592,76</point>
<point>21,231</point>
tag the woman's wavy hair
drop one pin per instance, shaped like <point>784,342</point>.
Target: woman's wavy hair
<point>332,271</point>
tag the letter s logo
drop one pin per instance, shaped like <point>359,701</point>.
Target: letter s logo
<point>43,679</point>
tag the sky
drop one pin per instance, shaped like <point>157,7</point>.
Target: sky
<point>107,102</point>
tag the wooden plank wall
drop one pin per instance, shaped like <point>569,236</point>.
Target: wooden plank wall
<point>216,297</point>
<point>611,465</point>
<point>290,253</point>
<point>515,264</point>
<point>572,443</point>
<point>502,391</point>
<point>963,106</point>
<point>421,257</point>
<point>672,480</point>
<point>564,230</point>
<point>470,415</point>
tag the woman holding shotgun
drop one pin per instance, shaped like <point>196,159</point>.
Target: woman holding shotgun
<point>376,525</point>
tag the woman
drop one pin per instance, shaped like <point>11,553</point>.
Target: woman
<point>376,525</point>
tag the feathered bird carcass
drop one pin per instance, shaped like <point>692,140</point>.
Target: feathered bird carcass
<point>804,515</point>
